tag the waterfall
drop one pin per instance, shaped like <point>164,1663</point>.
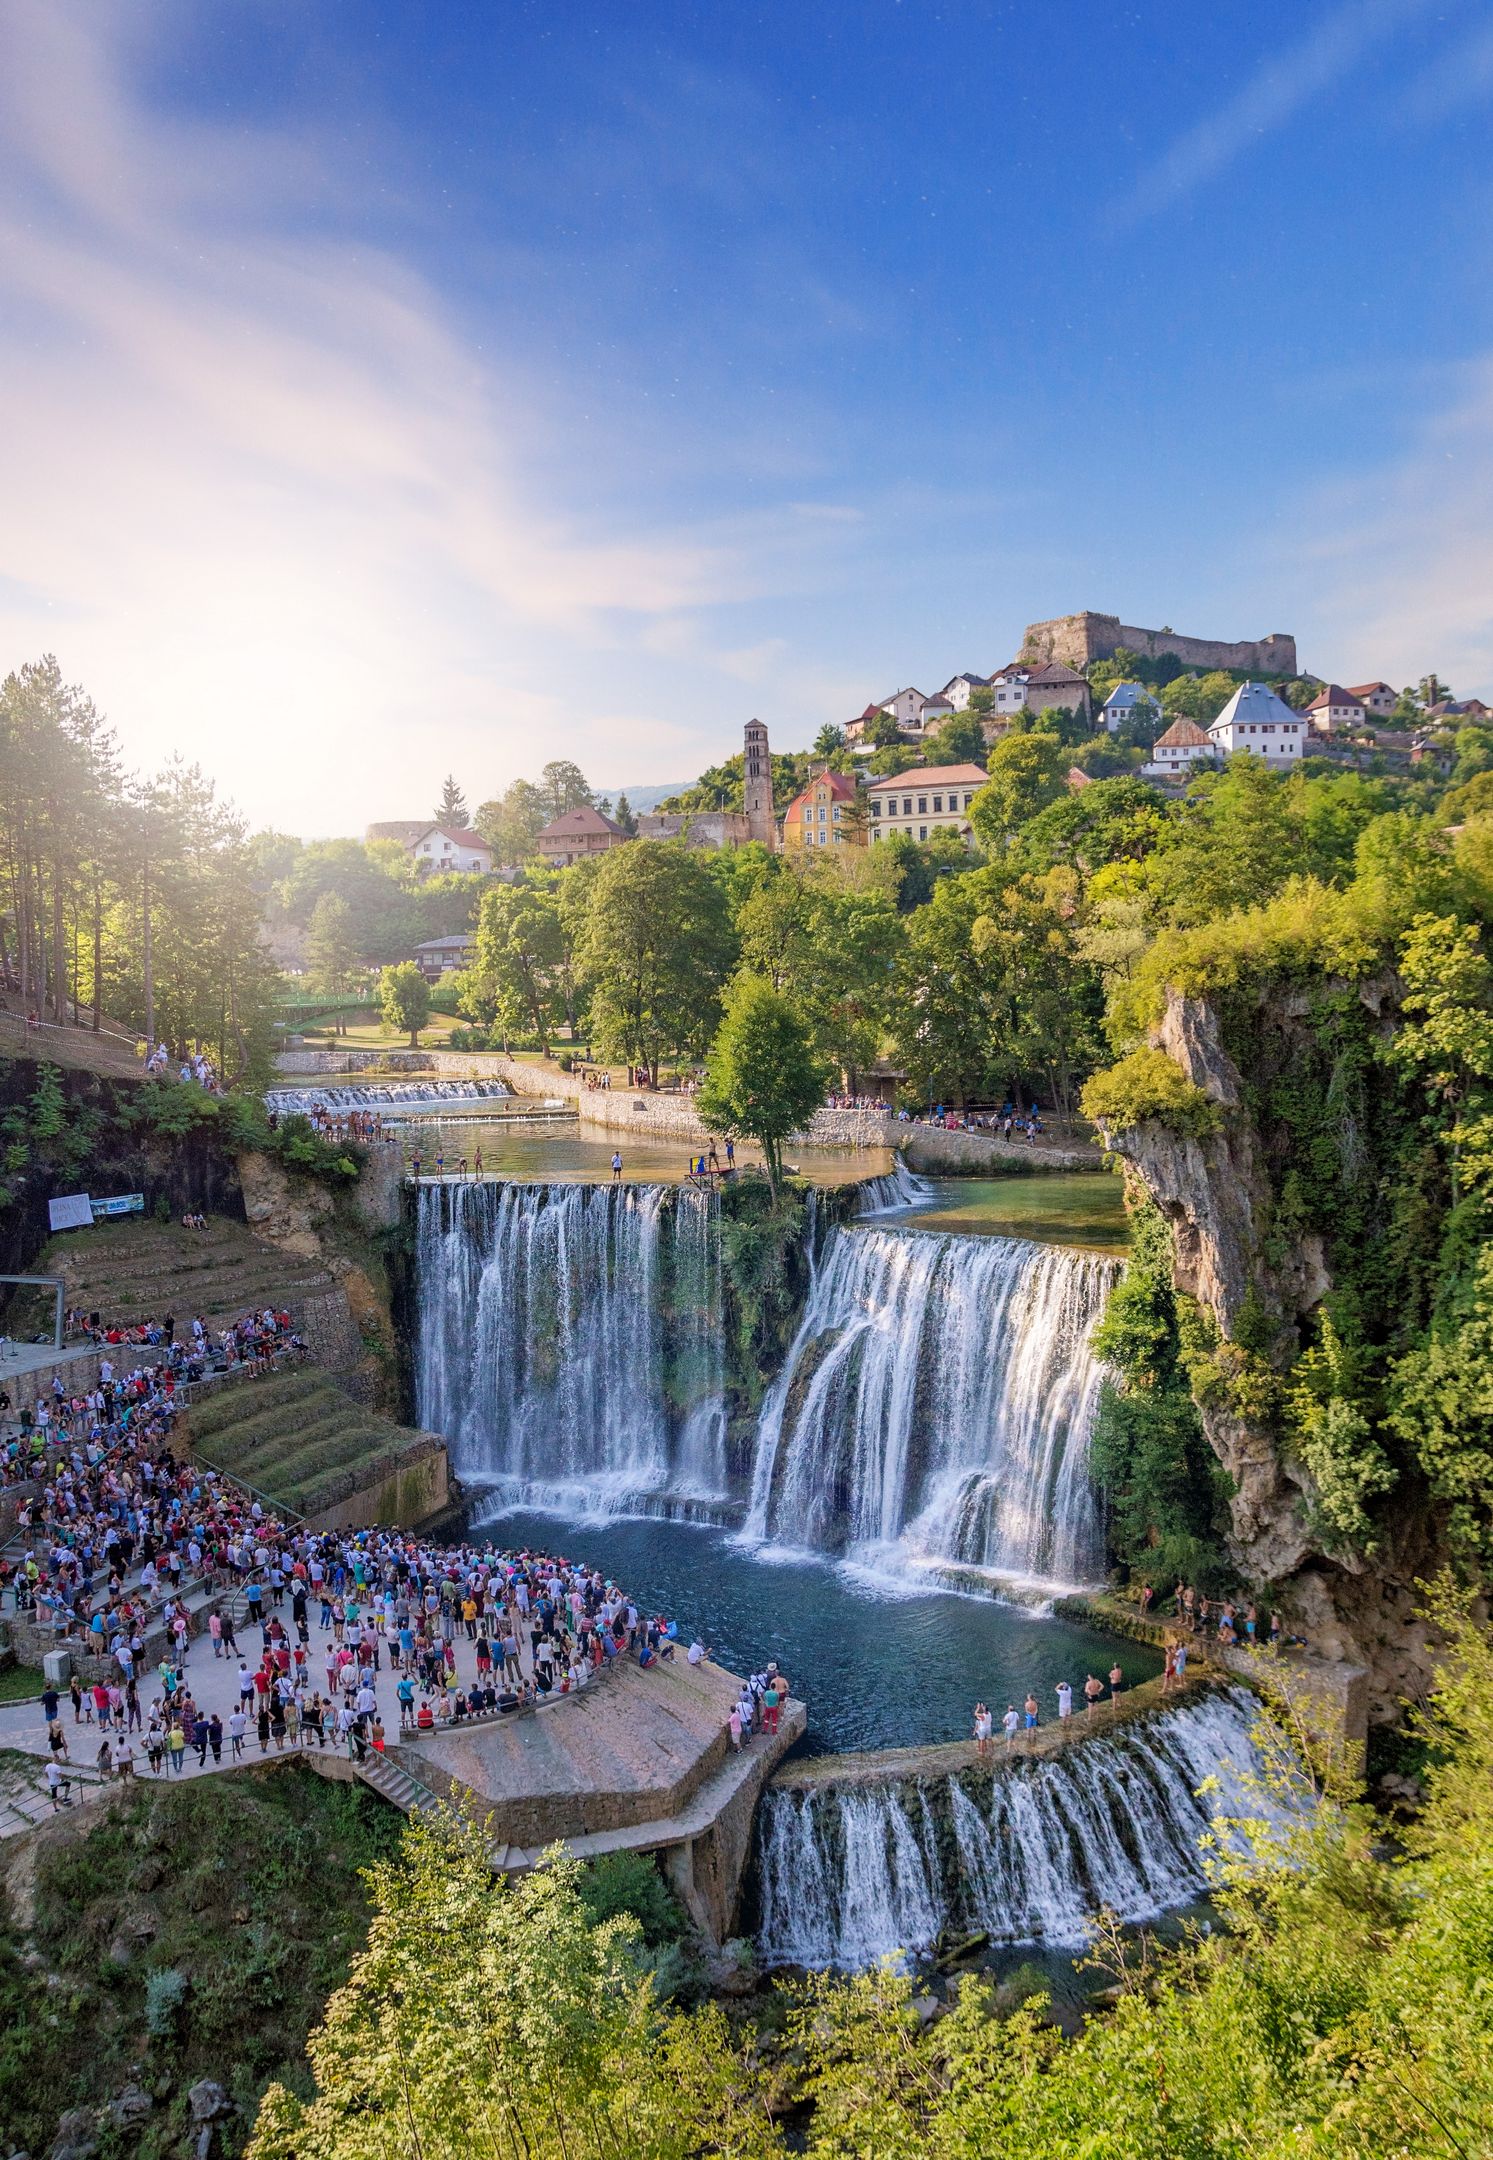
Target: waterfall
<point>394,1095</point>
<point>938,1398</point>
<point>569,1343</point>
<point>849,1875</point>
<point>894,1193</point>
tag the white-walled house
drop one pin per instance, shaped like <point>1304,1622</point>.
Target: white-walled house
<point>1334,710</point>
<point>906,708</point>
<point>1176,754</point>
<point>1125,700</point>
<point>1255,719</point>
<point>450,847</point>
<point>935,711</point>
<point>959,689</point>
<point>1375,697</point>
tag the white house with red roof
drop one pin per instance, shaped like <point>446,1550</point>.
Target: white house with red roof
<point>1334,710</point>
<point>924,800</point>
<point>449,847</point>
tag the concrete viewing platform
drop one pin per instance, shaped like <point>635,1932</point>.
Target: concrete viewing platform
<point>641,1762</point>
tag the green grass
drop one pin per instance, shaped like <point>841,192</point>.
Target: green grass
<point>291,1435</point>
<point>20,1683</point>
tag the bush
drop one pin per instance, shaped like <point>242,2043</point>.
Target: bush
<point>628,1882</point>
<point>165,1992</point>
<point>1147,1087</point>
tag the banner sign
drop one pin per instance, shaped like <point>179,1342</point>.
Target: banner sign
<point>74,1211</point>
<point>130,1203</point>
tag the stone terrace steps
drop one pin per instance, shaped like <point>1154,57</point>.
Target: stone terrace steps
<point>135,1271</point>
<point>289,1435</point>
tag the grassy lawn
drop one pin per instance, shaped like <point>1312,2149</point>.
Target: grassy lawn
<point>20,1683</point>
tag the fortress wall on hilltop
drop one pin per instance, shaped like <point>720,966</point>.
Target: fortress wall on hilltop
<point>1075,640</point>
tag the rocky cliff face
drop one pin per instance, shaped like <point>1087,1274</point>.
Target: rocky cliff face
<point>342,1231</point>
<point>1216,1195</point>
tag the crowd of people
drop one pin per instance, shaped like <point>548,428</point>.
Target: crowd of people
<point>1008,1121</point>
<point>1029,1717</point>
<point>124,1548</point>
<point>364,1127</point>
<point>1228,1619</point>
<point>196,1066</point>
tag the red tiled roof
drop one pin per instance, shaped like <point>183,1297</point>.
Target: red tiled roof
<point>583,820</point>
<point>841,786</point>
<point>1185,734</point>
<point>1334,694</point>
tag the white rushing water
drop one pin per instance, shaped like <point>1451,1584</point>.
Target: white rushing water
<point>938,1400</point>
<point>569,1343</point>
<point>389,1096</point>
<point>849,1876</point>
<point>894,1192</point>
<point>933,1410</point>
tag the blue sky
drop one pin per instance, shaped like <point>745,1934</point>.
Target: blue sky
<point>395,388</point>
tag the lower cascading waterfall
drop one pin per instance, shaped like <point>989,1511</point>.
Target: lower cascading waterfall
<point>849,1875</point>
<point>569,1344</point>
<point>938,1398</point>
<point>894,1192</point>
<point>390,1095</point>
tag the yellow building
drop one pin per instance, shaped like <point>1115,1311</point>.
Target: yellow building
<point>824,815</point>
<point>927,799</point>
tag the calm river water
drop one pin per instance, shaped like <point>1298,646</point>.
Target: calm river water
<point>878,1665</point>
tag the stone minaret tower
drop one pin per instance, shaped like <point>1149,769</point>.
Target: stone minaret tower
<point>761,824</point>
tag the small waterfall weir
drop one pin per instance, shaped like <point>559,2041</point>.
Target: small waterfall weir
<point>848,1875</point>
<point>933,1408</point>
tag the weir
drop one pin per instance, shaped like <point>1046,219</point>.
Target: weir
<point>1023,1853</point>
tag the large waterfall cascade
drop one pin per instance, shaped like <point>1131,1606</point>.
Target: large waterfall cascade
<point>938,1398</point>
<point>570,1344</point>
<point>849,1875</point>
<point>934,1405</point>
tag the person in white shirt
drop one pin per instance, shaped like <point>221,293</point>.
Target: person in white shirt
<point>697,1652</point>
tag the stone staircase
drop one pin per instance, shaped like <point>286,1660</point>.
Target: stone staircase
<point>294,1438</point>
<point>132,1271</point>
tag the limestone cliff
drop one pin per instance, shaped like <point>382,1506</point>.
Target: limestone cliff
<point>345,1231</point>
<point>1219,1196</point>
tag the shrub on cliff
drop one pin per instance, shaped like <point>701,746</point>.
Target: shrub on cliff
<point>1146,1087</point>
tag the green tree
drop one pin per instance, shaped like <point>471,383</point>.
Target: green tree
<point>882,732</point>
<point>404,998</point>
<point>1027,772</point>
<point>960,741</point>
<point>332,948</point>
<point>828,741</point>
<point>656,947</point>
<point>513,821</point>
<point>624,817</point>
<point>763,1077</point>
<point>519,952</point>
<point>451,810</point>
<point>563,786</point>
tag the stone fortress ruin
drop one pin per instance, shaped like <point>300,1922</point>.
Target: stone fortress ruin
<point>1074,640</point>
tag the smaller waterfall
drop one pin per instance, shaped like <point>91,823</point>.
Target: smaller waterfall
<point>850,1875</point>
<point>392,1096</point>
<point>894,1193</point>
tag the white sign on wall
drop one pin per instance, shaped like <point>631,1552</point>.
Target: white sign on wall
<point>73,1211</point>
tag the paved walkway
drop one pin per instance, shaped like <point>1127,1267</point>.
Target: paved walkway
<point>214,1683</point>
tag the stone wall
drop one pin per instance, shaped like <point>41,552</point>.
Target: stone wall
<point>937,1152</point>
<point>408,1492</point>
<point>1075,640</point>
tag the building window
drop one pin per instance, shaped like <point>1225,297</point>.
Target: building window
<point>907,806</point>
<point>837,810</point>
<point>875,808</point>
<point>922,806</point>
<point>938,804</point>
<point>968,800</point>
<point>922,832</point>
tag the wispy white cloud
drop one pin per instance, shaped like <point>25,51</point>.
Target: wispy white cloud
<point>262,494</point>
<point>1276,93</point>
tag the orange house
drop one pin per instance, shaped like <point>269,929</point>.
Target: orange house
<point>824,814</point>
